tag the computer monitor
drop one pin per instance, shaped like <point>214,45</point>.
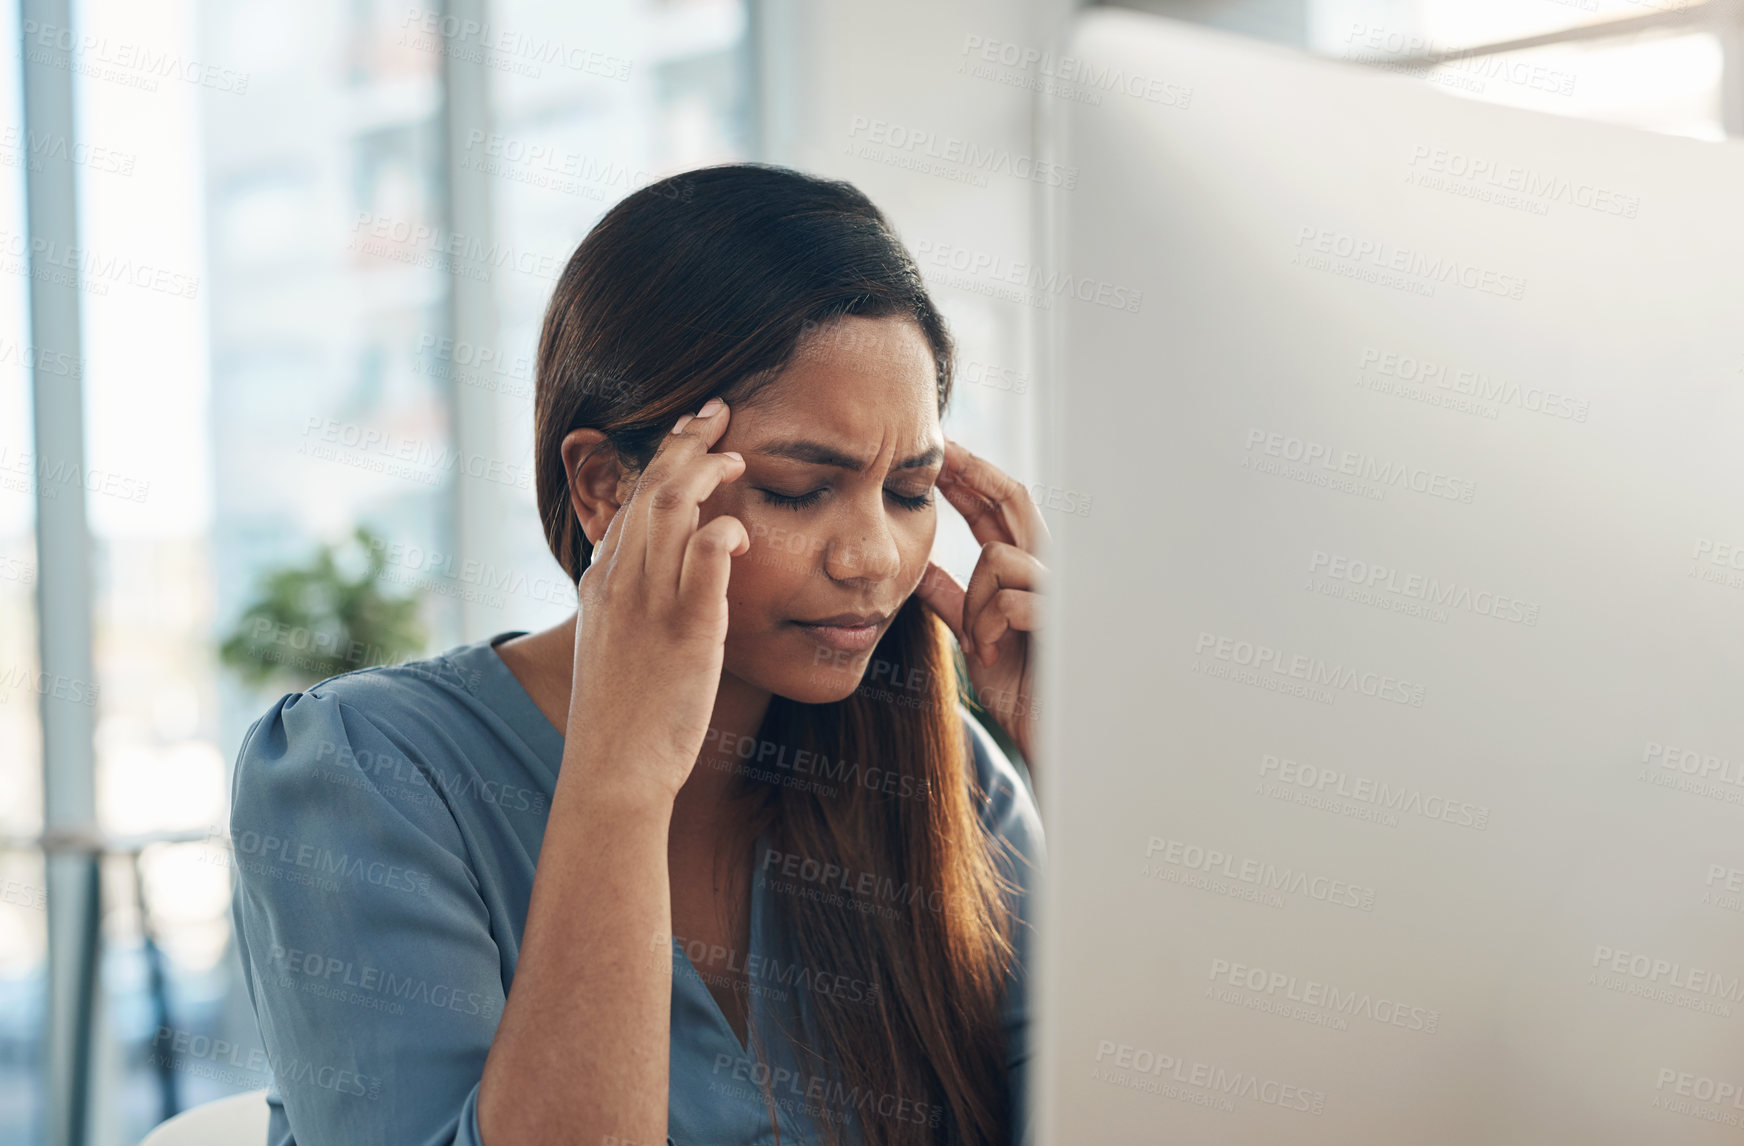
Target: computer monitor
<point>1394,691</point>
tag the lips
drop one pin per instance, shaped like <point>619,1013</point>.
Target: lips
<point>849,620</point>
<point>850,632</point>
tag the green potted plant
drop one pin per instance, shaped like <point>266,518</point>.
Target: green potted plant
<point>313,621</point>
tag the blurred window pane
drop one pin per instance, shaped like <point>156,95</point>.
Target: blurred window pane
<point>23,890</point>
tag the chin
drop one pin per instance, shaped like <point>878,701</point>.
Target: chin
<point>826,684</point>
<point>807,672</point>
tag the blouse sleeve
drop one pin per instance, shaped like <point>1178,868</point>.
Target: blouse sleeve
<point>365,943</point>
<point>1010,814</point>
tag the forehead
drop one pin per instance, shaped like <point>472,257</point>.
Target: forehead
<point>857,381</point>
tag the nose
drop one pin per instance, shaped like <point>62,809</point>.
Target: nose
<point>864,548</point>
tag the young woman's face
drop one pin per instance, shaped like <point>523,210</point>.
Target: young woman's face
<point>841,453</point>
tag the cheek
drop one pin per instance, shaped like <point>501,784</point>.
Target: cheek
<point>769,576</point>
<point>780,541</point>
<point>916,543</point>
<point>731,501</point>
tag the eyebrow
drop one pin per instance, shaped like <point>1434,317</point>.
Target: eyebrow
<point>819,454</point>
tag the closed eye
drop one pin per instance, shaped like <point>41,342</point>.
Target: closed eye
<point>802,501</point>
<point>807,500</point>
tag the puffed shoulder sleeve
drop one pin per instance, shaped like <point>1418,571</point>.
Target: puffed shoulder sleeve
<point>365,943</point>
<point>1010,814</point>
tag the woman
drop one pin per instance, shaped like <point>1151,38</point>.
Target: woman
<point>782,875</point>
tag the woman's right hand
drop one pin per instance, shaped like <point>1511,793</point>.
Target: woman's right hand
<point>582,1051</point>
<point>651,628</point>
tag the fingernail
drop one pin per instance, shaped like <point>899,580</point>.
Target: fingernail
<point>709,407</point>
<point>679,425</point>
<point>733,454</point>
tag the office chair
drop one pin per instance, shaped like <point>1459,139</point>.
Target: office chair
<point>239,1120</point>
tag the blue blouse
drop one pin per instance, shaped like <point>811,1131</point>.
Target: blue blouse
<point>385,826</point>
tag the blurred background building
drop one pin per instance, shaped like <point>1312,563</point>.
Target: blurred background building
<point>313,247</point>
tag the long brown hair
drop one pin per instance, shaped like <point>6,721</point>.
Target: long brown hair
<point>707,283</point>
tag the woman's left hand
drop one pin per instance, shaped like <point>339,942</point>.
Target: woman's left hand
<point>995,617</point>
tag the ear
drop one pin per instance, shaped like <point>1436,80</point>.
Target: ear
<point>596,476</point>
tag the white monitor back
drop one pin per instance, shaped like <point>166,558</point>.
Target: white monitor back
<point>1394,770</point>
